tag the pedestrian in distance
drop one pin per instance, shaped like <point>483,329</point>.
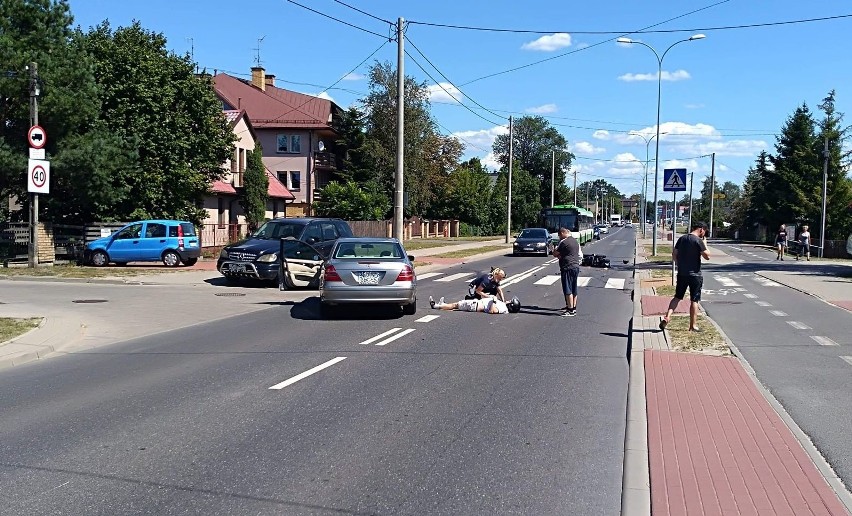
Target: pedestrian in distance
<point>687,253</point>
<point>781,242</point>
<point>568,253</point>
<point>804,243</point>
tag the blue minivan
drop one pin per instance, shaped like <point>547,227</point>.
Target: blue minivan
<point>171,241</point>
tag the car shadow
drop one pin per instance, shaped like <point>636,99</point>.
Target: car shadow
<point>221,281</point>
<point>309,310</point>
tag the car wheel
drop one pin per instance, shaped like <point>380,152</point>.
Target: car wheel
<point>410,308</point>
<point>171,259</point>
<point>190,262</point>
<point>100,259</point>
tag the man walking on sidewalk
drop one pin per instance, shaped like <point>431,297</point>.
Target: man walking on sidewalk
<point>687,253</point>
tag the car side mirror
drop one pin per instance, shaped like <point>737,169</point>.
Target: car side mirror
<point>411,258</point>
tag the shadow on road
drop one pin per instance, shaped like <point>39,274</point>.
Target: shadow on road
<point>309,310</point>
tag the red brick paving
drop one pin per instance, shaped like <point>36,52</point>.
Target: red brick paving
<point>843,304</point>
<point>716,446</point>
<point>657,305</point>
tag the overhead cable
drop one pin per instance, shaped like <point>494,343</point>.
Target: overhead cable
<point>337,19</point>
<point>364,12</point>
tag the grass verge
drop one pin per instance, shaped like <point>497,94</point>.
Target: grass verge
<point>665,290</point>
<point>76,271</point>
<point>706,340</point>
<point>464,253</point>
<point>427,243</point>
<point>11,328</point>
<point>421,264</point>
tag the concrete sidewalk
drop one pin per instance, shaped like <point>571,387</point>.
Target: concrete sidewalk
<point>86,326</point>
<point>704,437</point>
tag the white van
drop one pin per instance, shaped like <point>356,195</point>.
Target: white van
<point>615,220</point>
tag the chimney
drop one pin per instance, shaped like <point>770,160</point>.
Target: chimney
<point>270,80</point>
<point>257,78</point>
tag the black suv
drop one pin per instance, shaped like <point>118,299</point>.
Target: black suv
<point>257,256</point>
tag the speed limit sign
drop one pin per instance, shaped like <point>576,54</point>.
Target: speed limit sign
<point>38,176</point>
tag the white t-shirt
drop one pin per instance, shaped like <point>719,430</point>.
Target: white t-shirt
<point>501,306</point>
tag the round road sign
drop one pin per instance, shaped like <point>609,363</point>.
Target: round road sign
<point>39,176</point>
<point>37,137</point>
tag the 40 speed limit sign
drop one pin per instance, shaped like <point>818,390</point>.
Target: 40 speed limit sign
<point>38,176</point>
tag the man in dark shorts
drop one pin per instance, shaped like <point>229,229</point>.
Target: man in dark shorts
<point>568,252</point>
<point>687,253</point>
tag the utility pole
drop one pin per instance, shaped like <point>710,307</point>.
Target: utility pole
<point>825,156</point>
<point>691,179</point>
<point>34,93</point>
<point>552,178</point>
<point>400,132</point>
<point>575,187</point>
<point>509,186</point>
<point>712,188</point>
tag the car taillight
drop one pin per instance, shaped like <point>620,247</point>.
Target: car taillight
<point>331,274</point>
<point>180,235</point>
<point>406,274</point>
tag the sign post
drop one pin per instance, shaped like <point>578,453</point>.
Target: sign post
<point>674,180</point>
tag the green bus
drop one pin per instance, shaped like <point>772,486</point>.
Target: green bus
<point>579,220</point>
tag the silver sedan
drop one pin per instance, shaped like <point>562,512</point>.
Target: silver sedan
<point>368,270</point>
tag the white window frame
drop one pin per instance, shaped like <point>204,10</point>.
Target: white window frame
<point>290,186</point>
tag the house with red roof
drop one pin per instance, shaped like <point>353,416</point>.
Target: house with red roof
<point>294,129</point>
<point>225,215</point>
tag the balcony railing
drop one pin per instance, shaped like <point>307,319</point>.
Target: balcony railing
<point>325,160</point>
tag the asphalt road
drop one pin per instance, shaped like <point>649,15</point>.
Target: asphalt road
<point>794,342</point>
<point>456,414</point>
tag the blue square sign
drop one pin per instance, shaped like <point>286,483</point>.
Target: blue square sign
<point>674,180</point>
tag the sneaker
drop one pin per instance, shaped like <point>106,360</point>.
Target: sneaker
<point>696,329</point>
<point>431,302</point>
<point>663,324</point>
<point>441,301</point>
<point>572,312</point>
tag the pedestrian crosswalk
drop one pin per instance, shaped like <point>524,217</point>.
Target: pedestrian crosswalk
<point>536,274</point>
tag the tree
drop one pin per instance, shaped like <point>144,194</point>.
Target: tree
<point>839,198</point>
<point>534,142</point>
<point>796,171</point>
<point>466,195</point>
<point>152,99</point>
<point>351,146</point>
<point>255,189</point>
<point>350,201</point>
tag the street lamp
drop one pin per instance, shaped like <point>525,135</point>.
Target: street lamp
<point>659,94</point>
<point>644,210</point>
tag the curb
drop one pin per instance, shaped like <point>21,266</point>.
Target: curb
<point>828,474</point>
<point>6,363</point>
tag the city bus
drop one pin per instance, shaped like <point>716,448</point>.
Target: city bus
<point>578,220</point>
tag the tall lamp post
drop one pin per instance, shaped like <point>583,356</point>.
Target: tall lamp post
<point>644,210</point>
<point>659,94</point>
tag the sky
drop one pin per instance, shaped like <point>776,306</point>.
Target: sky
<point>729,93</point>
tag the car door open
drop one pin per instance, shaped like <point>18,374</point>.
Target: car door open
<point>301,264</point>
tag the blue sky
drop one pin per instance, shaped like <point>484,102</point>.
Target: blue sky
<point>729,93</point>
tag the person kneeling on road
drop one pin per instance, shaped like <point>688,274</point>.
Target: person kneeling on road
<point>489,305</point>
<point>488,285</point>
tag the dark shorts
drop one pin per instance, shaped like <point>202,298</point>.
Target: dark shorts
<point>569,281</point>
<point>693,282</point>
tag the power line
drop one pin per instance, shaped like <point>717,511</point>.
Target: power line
<point>364,12</point>
<point>338,20</point>
<point>447,91</point>
<point>592,45</point>
<point>660,31</point>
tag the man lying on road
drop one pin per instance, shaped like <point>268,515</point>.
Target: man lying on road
<point>489,305</point>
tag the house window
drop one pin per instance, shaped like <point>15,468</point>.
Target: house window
<point>282,176</point>
<point>288,144</point>
<point>295,183</point>
<point>274,209</point>
<point>222,214</point>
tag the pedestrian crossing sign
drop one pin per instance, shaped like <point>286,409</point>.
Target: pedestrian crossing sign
<point>674,180</point>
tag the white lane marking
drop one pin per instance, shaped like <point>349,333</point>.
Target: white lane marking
<point>751,296</point>
<point>727,282</point>
<point>520,277</point>
<point>778,313</point>
<point>584,281</point>
<point>380,336</point>
<point>762,303</point>
<point>548,262</point>
<point>798,325</point>
<point>307,373</point>
<point>615,283</point>
<point>427,318</point>
<point>454,277</point>
<point>766,282</point>
<point>548,280</point>
<point>398,335</point>
<point>740,289</point>
<point>824,341</point>
<point>427,275</point>
<point>847,359</point>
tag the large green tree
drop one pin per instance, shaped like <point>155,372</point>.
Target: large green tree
<point>795,169</point>
<point>152,99</point>
<point>839,198</point>
<point>351,201</point>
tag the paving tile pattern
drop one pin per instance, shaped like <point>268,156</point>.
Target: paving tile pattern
<point>657,305</point>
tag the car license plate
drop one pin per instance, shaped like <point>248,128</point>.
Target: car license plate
<point>368,278</point>
<point>528,248</point>
<point>237,267</point>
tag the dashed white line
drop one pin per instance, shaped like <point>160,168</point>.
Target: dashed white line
<point>824,341</point>
<point>762,303</point>
<point>778,313</point>
<point>307,373</point>
<point>727,282</point>
<point>454,277</point>
<point>847,359</point>
<point>766,282</point>
<point>517,278</point>
<point>751,296</point>
<point>584,281</point>
<point>381,336</point>
<point>427,275</point>
<point>403,333</point>
<point>615,283</point>
<point>798,325</point>
<point>548,280</point>
<point>427,318</point>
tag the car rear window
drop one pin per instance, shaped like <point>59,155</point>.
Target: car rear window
<point>352,250</point>
<point>188,229</point>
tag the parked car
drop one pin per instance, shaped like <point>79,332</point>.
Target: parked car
<point>357,271</point>
<point>256,257</point>
<point>532,240</point>
<point>171,241</point>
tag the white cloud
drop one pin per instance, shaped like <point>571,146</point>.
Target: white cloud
<point>601,134</point>
<point>353,76</point>
<point>585,148</point>
<point>442,92</point>
<point>323,95</point>
<point>679,75</point>
<point>490,161</point>
<point>549,43</point>
<point>683,139</point>
<point>543,109</point>
<point>581,46</point>
<point>479,141</point>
